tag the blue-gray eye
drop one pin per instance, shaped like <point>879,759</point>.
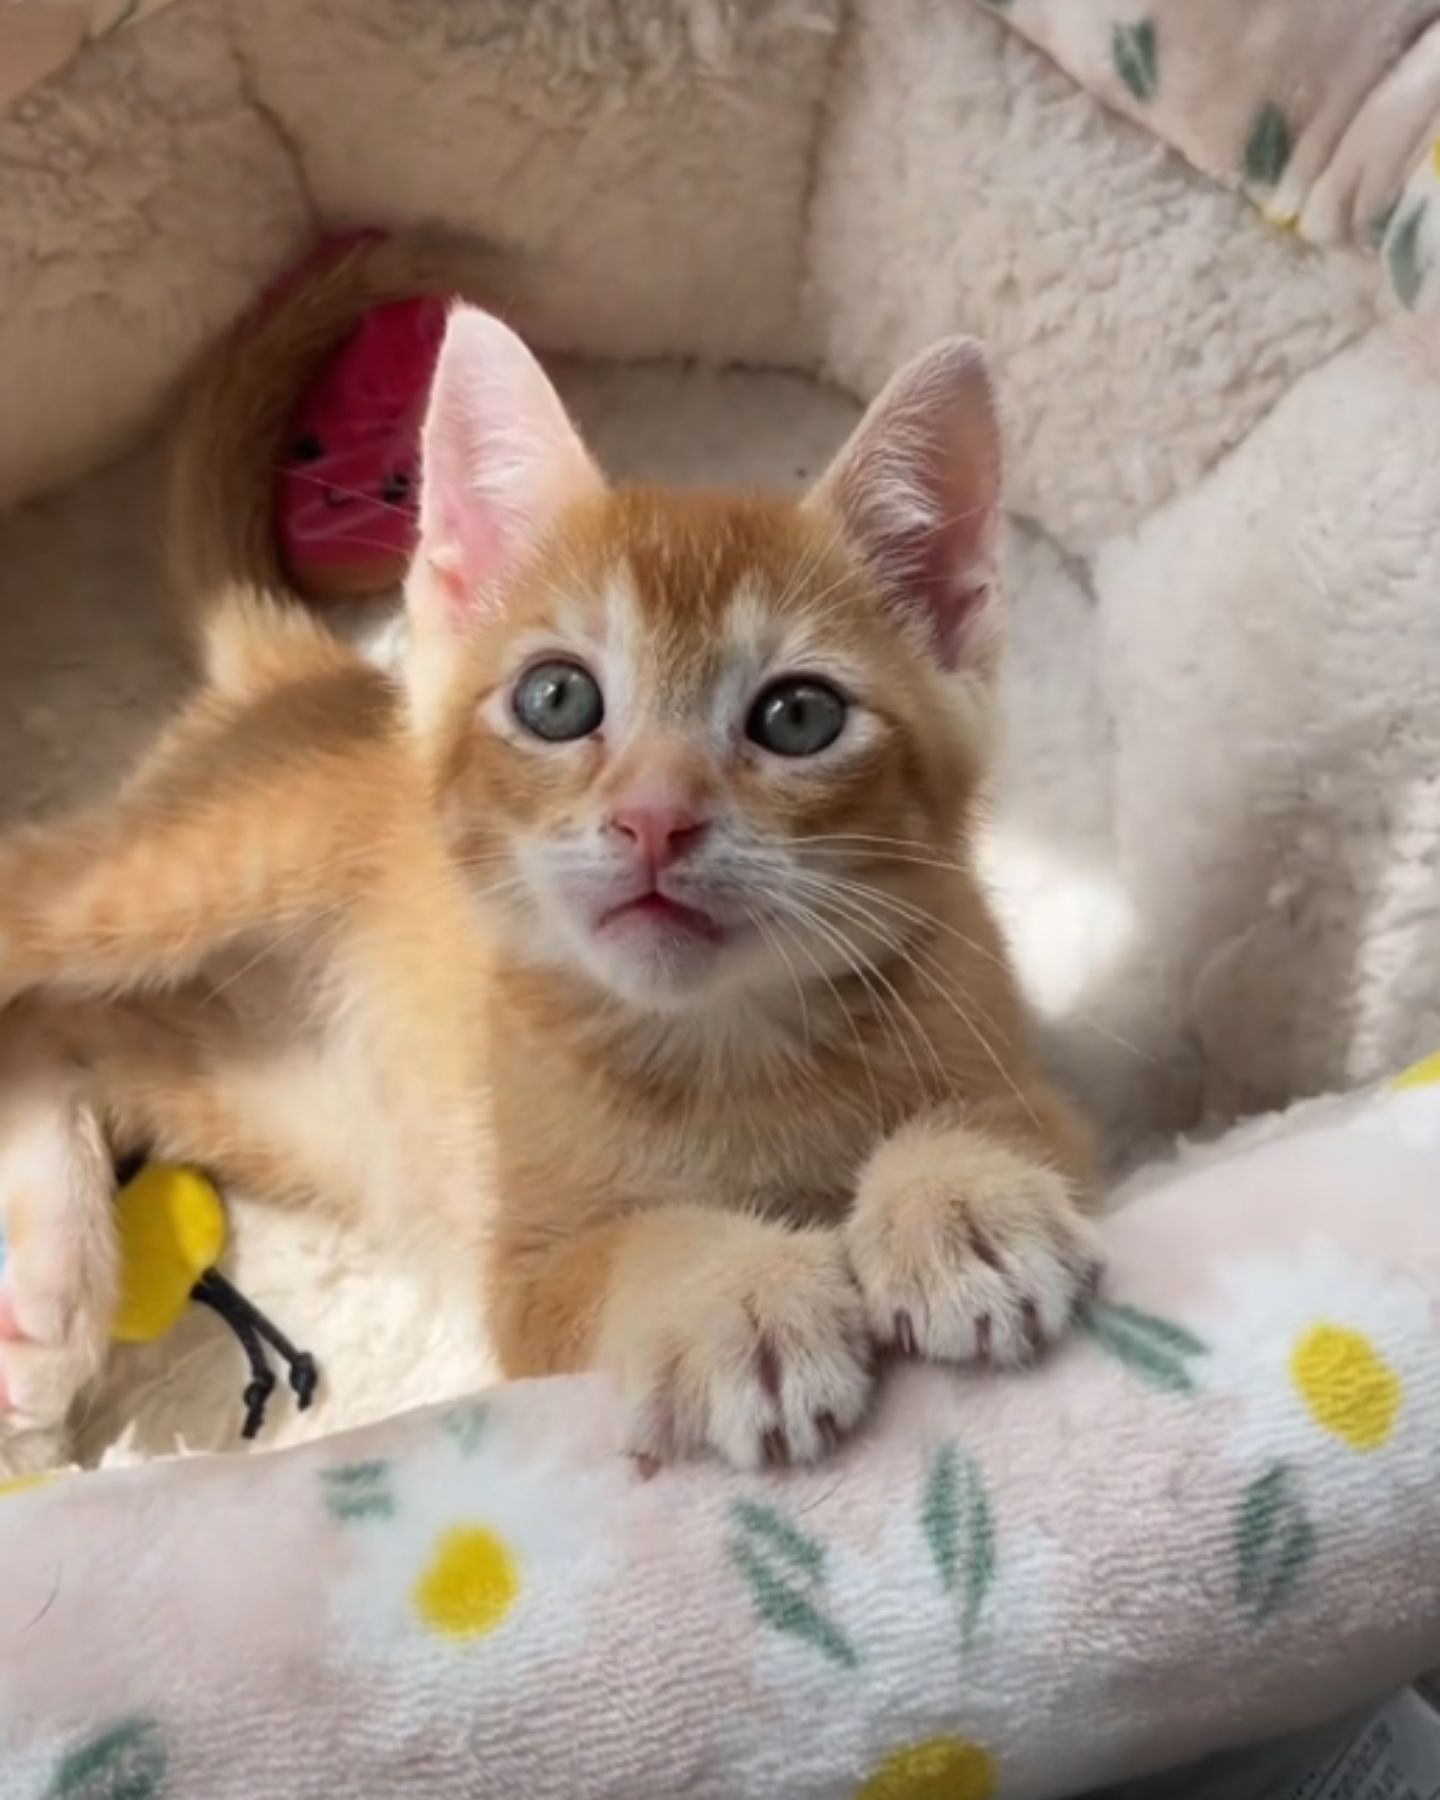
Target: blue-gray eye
<point>558,701</point>
<point>797,717</point>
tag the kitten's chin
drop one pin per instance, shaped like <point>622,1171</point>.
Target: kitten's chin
<point>663,959</point>
<point>660,961</point>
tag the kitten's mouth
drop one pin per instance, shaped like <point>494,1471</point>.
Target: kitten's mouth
<point>659,912</point>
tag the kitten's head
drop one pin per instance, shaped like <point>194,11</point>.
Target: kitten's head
<point>693,744</point>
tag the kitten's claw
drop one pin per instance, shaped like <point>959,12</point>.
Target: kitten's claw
<point>968,1251</point>
<point>761,1357</point>
<point>767,1365</point>
<point>1034,1331</point>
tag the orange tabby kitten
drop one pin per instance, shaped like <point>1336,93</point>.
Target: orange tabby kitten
<point>628,949</point>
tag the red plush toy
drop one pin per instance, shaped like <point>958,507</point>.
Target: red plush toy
<point>346,491</point>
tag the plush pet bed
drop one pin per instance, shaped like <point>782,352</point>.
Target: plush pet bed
<point>1218,822</point>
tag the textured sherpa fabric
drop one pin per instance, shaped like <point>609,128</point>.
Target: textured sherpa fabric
<point>1275,640</point>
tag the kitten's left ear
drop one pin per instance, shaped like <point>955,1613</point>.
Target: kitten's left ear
<point>917,492</point>
<point>499,460</point>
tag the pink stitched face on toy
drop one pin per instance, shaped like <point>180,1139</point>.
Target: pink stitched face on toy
<point>347,494</point>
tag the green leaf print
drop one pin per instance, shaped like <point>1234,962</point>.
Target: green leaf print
<point>959,1528</point>
<point>126,1762</point>
<point>784,1569</point>
<point>1404,258</point>
<point>804,1553</point>
<point>1157,1350</point>
<point>361,1490</point>
<point>1134,51</point>
<point>1268,147</point>
<point>467,1424</point>
<point>1274,1543</point>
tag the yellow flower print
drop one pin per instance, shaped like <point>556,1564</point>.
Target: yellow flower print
<point>941,1768</point>
<point>1421,1074</point>
<point>470,1583</point>
<point>1325,1366</point>
<point>1349,1388</point>
<point>23,1484</point>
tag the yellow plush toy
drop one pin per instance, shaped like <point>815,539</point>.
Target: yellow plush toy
<point>172,1231</point>
<point>171,1223</point>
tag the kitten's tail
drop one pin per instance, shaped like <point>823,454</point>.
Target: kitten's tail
<point>223,548</point>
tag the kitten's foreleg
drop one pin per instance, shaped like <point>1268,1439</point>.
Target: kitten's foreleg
<point>969,1236</point>
<point>726,1334</point>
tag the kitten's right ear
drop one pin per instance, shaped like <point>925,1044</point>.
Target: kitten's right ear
<point>499,459</point>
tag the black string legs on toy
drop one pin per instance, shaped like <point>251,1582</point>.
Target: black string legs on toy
<point>255,1331</point>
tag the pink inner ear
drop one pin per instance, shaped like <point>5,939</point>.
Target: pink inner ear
<point>462,534</point>
<point>499,459</point>
<point>957,552</point>
<point>948,592</point>
<point>461,538</point>
<point>918,490</point>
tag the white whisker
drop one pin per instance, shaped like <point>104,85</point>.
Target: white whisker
<point>912,955</point>
<point>870,973</point>
<point>845,1013</point>
<point>758,921</point>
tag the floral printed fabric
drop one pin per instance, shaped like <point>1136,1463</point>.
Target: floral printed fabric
<point>1326,112</point>
<point>1212,1516</point>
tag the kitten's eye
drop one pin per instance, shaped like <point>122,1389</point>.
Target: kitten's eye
<point>797,717</point>
<point>558,701</point>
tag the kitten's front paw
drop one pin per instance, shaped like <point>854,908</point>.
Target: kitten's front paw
<point>967,1250</point>
<point>759,1355</point>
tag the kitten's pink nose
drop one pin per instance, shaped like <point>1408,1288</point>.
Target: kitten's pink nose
<point>662,834</point>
